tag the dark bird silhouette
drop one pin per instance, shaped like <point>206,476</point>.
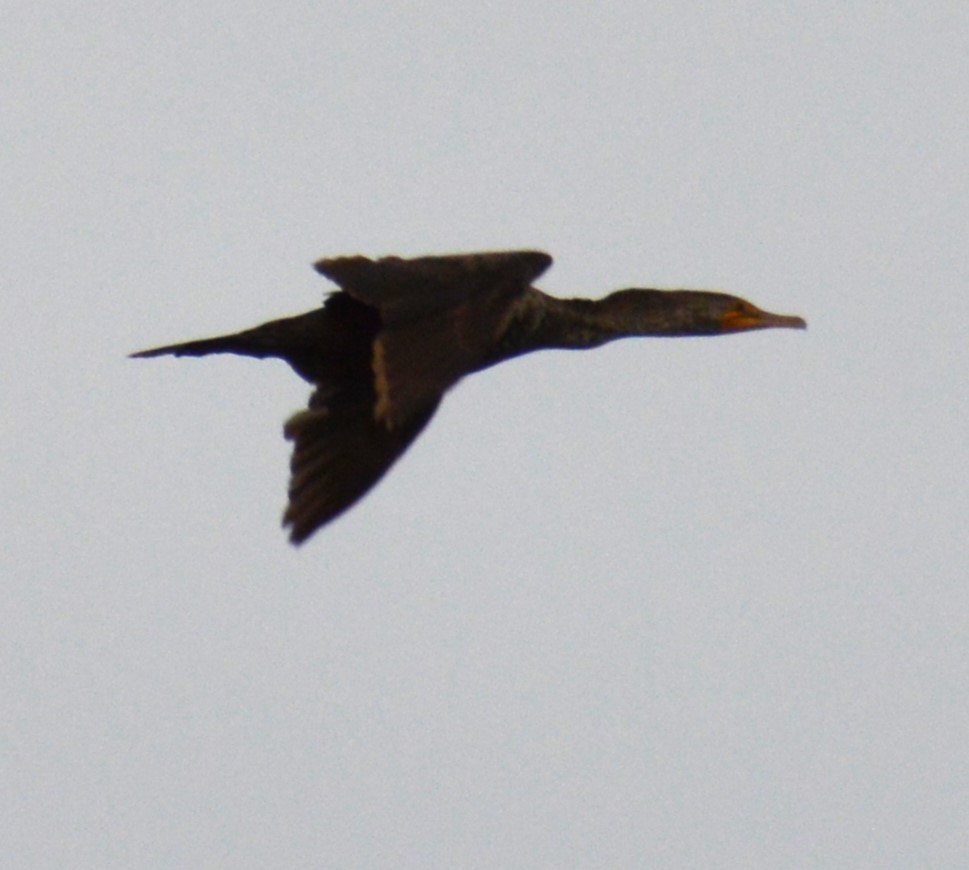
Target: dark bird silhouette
<point>384,348</point>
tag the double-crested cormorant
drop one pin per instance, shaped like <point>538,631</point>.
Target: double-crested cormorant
<point>384,348</point>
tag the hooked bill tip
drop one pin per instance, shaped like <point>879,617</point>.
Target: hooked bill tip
<point>792,321</point>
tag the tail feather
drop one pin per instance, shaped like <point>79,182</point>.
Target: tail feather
<point>318,345</point>
<point>286,338</point>
<point>202,346</point>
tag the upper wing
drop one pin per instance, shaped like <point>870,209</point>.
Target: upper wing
<point>440,316</point>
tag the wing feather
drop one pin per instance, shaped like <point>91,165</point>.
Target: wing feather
<point>338,456</point>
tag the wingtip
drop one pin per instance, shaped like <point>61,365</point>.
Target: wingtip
<point>300,530</point>
<point>297,537</point>
<point>339,269</point>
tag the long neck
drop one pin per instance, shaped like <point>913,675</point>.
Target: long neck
<point>544,322</point>
<point>583,323</point>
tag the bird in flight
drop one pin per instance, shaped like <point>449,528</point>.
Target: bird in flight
<point>383,350</point>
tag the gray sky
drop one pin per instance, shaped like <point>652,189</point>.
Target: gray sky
<point>669,603</point>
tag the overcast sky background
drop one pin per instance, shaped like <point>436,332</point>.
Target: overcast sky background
<point>670,603</point>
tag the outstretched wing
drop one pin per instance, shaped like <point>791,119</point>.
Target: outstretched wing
<point>339,452</point>
<point>440,316</point>
<point>403,331</point>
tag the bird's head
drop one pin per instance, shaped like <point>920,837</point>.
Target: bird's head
<point>690,312</point>
<point>734,314</point>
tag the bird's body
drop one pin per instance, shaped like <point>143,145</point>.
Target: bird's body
<point>382,351</point>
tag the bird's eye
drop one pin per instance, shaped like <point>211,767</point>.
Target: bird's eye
<point>740,316</point>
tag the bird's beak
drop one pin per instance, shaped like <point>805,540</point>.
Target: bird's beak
<point>751,317</point>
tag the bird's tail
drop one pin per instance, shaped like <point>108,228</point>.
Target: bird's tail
<point>239,343</point>
<point>283,338</point>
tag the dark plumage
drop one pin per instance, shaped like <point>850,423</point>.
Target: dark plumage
<point>384,349</point>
